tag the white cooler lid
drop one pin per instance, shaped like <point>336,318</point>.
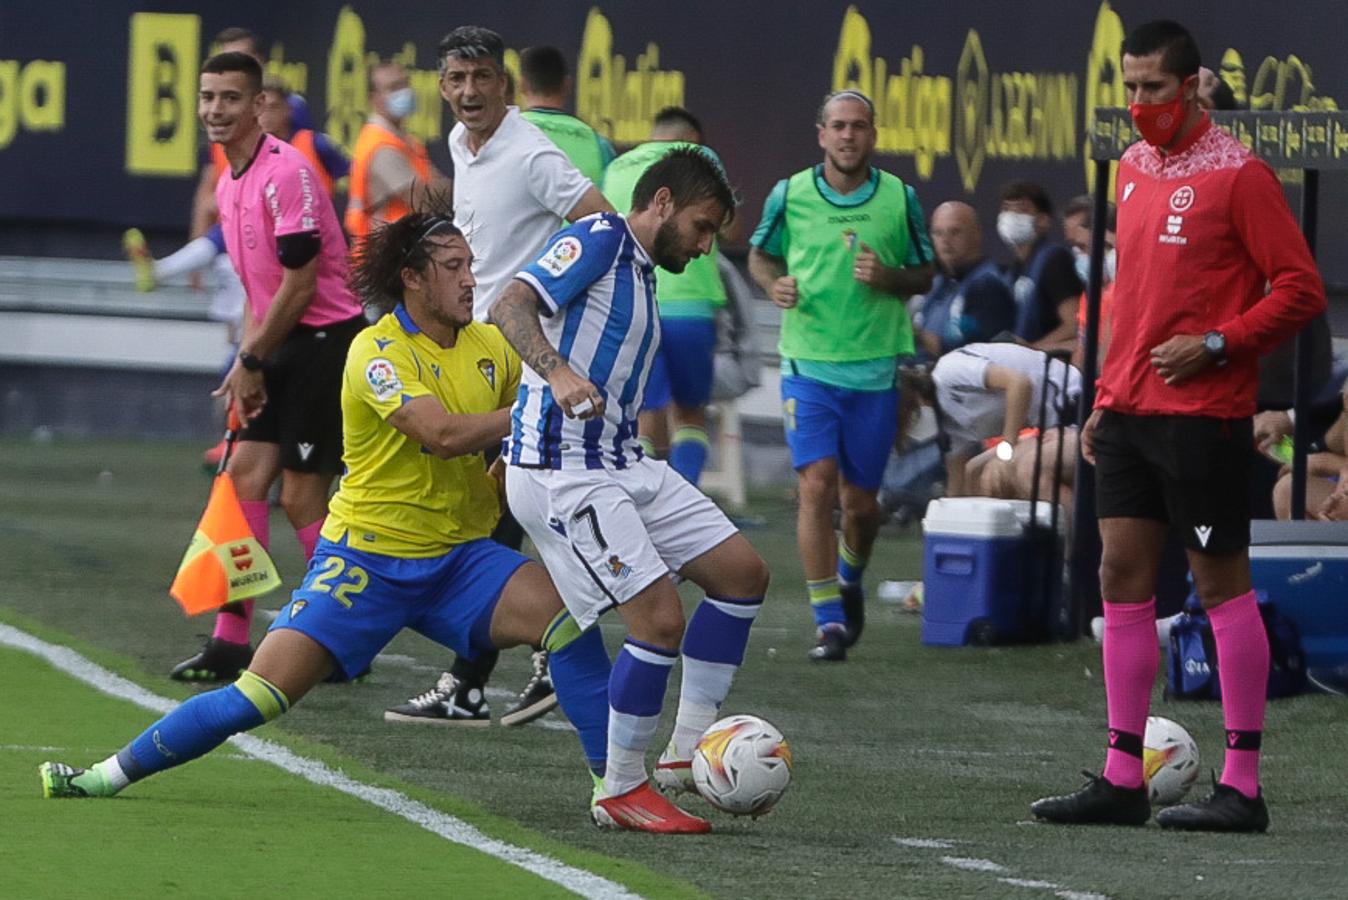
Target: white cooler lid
<point>985,517</point>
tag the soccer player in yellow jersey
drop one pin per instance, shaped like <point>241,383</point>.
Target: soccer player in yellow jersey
<point>426,390</point>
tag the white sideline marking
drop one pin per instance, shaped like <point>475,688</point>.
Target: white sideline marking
<point>924,843</point>
<point>452,829</point>
<point>972,864</point>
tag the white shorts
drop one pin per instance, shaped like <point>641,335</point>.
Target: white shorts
<point>607,534</point>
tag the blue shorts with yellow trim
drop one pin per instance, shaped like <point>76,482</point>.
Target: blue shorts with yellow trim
<point>856,427</point>
<point>354,603</point>
<point>683,365</point>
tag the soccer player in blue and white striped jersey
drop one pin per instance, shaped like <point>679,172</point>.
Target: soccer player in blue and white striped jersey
<point>611,524</point>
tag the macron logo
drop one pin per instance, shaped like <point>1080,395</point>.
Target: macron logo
<point>1204,532</point>
<point>306,450</point>
<point>1128,189</point>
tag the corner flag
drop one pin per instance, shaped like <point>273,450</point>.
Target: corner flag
<point>224,562</point>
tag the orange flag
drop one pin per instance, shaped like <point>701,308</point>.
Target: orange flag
<point>224,561</point>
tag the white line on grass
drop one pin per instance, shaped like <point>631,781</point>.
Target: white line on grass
<point>452,829</point>
<point>972,864</point>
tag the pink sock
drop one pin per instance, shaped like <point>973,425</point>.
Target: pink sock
<point>234,619</point>
<point>1242,666</point>
<point>308,536</point>
<point>1131,657</point>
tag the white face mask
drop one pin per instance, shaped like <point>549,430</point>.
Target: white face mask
<point>402,103</point>
<point>1083,265</point>
<point>1015,228</point>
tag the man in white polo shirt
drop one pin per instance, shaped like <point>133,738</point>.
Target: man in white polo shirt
<point>512,185</point>
<point>512,189</point>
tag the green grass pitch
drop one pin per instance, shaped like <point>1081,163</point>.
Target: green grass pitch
<point>914,766</point>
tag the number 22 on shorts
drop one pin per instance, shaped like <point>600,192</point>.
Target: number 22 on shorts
<point>355,581</point>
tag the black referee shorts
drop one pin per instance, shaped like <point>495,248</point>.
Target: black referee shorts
<point>304,397</point>
<point>1190,471</point>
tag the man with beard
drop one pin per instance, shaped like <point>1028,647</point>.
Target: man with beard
<point>513,187</point>
<point>612,525</point>
<point>840,248</point>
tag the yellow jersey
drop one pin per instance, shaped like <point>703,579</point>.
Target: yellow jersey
<point>395,497</point>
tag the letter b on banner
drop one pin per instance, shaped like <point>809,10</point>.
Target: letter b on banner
<point>161,113</point>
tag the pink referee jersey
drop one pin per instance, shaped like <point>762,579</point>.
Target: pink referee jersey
<point>279,194</point>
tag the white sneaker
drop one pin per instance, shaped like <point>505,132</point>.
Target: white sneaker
<point>674,774</point>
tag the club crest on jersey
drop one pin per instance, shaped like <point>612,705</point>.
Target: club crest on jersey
<point>561,255</point>
<point>383,379</point>
<point>1182,199</point>
<point>488,370</point>
<point>849,236</point>
<point>619,568</point>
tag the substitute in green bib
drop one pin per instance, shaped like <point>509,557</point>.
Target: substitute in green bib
<point>681,373</point>
<point>840,248</point>
<point>545,85</point>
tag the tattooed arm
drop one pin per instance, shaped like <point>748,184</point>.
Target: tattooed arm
<point>515,312</point>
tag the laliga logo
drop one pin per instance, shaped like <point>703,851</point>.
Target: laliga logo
<point>1182,199</point>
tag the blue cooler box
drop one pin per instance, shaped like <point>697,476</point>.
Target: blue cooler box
<point>979,570</point>
<point>1304,568</point>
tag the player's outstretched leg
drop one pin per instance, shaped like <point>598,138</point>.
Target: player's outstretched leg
<point>288,664</point>
<point>192,730</point>
<point>736,579</point>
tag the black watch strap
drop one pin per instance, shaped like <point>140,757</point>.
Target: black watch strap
<point>250,362</point>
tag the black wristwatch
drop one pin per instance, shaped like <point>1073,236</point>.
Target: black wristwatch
<point>1215,343</point>
<point>250,362</point>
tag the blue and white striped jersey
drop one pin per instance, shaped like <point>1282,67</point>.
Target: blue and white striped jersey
<point>597,286</point>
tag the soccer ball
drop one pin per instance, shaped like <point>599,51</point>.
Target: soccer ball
<point>742,765</point>
<point>1169,761</point>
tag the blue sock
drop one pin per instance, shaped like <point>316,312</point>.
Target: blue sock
<point>826,603</point>
<point>636,693</point>
<point>201,724</point>
<point>580,672</point>
<point>688,452</point>
<point>713,649</point>
<point>851,565</point>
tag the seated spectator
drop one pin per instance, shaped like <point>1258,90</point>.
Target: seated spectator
<point>1043,278</point>
<point>969,301</point>
<point>1326,470</point>
<point>994,391</point>
<point>1077,218</point>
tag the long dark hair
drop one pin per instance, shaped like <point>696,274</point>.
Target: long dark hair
<point>378,260</point>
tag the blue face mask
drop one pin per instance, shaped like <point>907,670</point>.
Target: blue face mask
<point>402,103</point>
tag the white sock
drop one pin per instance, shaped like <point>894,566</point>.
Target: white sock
<point>194,255</point>
<point>690,723</point>
<point>112,773</point>
<point>624,770</point>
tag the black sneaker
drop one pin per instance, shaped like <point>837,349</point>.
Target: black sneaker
<point>538,697</point>
<point>854,610</point>
<point>218,661</point>
<point>1225,809</point>
<point>448,703</point>
<point>1097,803</point>
<point>831,645</point>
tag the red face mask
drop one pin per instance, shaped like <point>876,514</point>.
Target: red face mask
<point>1158,123</point>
